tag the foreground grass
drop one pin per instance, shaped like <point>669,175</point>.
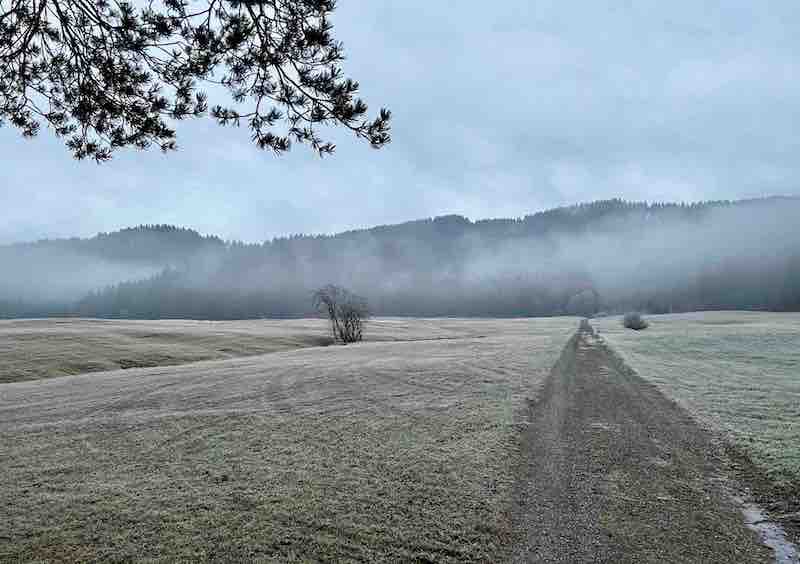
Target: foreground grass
<point>376,452</point>
<point>737,371</point>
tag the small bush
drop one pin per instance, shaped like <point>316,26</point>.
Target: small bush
<point>634,320</point>
<point>347,312</point>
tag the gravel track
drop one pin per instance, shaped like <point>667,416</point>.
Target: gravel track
<point>613,471</point>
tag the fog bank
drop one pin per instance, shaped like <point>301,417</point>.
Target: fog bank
<point>603,256</point>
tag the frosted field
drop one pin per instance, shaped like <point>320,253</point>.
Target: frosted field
<point>736,371</point>
<point>44,348</point>
<point>378,451</point>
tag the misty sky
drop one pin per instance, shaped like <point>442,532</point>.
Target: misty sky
<point>501,109</point>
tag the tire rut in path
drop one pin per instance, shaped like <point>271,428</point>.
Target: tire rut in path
<point>613,471</point>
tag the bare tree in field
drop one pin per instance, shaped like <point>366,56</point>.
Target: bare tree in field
<point>353,313</point>
<point>346,311</point>
<point>326,301</point>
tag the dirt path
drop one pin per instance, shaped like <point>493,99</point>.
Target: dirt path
<point>615,472</point>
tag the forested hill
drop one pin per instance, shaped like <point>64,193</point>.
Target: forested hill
<point>608,254</point>
<point>51,275</point>
<point>145,244</point>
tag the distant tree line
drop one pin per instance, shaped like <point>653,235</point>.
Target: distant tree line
<point>444,266</point>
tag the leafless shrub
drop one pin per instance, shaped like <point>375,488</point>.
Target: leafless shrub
<point>634,320</point>
<point>346,311</point>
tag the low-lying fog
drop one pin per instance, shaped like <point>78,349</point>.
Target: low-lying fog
<point>606,255</point>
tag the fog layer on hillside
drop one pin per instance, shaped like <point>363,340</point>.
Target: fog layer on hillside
<point>608,255</point>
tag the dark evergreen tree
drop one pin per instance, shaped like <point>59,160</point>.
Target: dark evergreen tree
<point>106,75</point>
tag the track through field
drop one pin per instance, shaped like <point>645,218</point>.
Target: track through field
<point>613,471</point>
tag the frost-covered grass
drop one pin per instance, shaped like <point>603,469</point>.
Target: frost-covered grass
<point>45,348</point>
<point>737,371</point>
<point>376,452</point>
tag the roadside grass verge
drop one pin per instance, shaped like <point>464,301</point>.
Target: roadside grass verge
<point>738,372</point>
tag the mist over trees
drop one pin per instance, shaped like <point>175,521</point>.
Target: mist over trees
<point>49,276</point>
<point>603,256</point>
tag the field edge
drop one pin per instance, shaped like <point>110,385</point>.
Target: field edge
<point>747,480</point>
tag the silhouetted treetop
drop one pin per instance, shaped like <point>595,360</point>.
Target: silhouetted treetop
<point>110,74</point>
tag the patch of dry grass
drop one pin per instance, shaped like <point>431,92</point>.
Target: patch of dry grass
<point>46,348</point>
<point>736,371</point>
<point>381,451</point>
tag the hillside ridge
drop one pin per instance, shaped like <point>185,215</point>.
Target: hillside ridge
<point>606,255</point>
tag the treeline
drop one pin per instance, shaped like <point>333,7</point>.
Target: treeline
<point>172,294</point>
<point>149,244</point>
<point>606,255</point>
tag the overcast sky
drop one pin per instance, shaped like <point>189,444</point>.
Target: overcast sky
<point>501,109</point>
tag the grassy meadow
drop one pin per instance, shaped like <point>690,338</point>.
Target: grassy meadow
<point>402,448</point>
<point>44,348</point>
<point>736,371</point>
